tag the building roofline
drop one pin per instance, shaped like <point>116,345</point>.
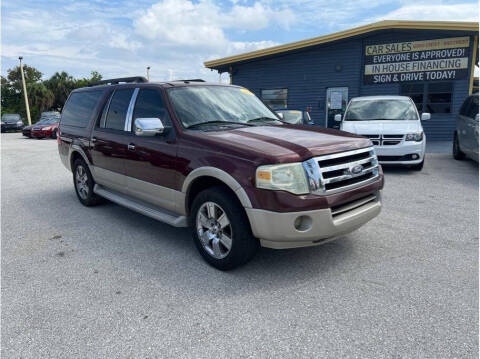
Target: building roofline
<point>380,25</point>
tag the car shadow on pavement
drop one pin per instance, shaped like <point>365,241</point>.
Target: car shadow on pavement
<point>172,251</point>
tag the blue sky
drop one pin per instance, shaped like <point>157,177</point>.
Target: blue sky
<point>175,37</point>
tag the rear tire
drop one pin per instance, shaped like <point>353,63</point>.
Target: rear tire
<point>221,230</point>
<point>457,152</point>
<point>84,183</point>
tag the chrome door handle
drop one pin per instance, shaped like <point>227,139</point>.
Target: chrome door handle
<point>131,147</point>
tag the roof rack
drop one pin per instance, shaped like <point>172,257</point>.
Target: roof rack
<point>192,80</point>
<point>134,79</point>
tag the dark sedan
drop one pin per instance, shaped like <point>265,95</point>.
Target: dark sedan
<point>11,122</point>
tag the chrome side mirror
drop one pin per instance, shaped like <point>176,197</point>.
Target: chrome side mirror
<point>426,116</point>
<point>148,126</point>
<point>338,117</point>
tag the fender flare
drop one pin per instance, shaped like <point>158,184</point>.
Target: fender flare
<point>221,176</point>
<point>79,150</point>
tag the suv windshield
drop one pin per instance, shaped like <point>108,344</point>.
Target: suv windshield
<point>219,106</point>
<point>371,110</point>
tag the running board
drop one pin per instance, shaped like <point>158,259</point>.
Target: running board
<point>141,207</point>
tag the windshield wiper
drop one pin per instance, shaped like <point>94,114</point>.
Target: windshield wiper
<point>264,119</point>
<point>218,123</point>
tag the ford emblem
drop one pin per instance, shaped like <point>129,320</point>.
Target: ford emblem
<point>356,170</point>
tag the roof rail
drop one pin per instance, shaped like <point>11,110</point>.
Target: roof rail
<point>134,79</point>
<point>191,80</point>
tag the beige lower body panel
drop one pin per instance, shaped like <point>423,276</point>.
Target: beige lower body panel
<point>277,230</point>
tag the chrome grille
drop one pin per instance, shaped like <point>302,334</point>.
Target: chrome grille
<point>340,171</point>
<point>385,140</point>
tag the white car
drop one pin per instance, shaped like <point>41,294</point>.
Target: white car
<point>393,125</point>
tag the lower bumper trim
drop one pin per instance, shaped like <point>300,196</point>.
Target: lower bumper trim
<point>285,230</point>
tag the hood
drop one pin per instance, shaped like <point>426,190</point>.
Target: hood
<point>386,127</point>
<point>46,125</point>
<point>11,120</point>
<point>280,144</point>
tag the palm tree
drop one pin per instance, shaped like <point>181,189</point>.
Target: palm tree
<point>60,84</point>
<point>40,98</point>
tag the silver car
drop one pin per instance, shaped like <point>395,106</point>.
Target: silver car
<point>465,139</point>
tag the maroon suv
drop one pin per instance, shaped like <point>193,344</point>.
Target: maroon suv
<point>215,158</point>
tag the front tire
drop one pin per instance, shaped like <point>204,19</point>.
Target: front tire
<point>457,152</point>
<point>84,183</point>
<point>418,166</point>
<point>54,134</point>
<point>221,230</point>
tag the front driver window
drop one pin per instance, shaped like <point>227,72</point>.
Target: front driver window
<point>150,104</point>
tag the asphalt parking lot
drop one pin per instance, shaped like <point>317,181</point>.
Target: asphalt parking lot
<point>108,282</point>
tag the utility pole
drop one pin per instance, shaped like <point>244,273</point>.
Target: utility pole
<point>24,85</point>
<point>148,73</point>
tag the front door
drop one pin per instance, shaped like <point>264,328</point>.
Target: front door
<point>151,162</point>
<point>336,103</point>
<point>109,142</point>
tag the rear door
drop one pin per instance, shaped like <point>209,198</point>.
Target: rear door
<point>109,142</point>
<point>151,162</point>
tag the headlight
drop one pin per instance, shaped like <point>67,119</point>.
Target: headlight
<point>288,177</point>
<point>418,136</point>
<point>47,128</point>
<point>19,123</point>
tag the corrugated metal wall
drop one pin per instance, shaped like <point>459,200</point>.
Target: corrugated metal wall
<point>307,75</point>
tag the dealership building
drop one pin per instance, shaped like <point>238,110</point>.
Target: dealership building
<point>432,62</point>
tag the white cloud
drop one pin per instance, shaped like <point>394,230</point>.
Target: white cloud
<point>432,11</point>
<point>203,24</point>
<point>173,35</point>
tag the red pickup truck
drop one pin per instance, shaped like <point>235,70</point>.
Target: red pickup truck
<point>215,158</point>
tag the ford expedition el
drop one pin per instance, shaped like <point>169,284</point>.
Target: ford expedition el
<point>213,157</point>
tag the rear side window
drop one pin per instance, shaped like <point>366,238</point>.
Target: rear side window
<point>80,107</point>
<point>150,104</point>
<point>117,111</point>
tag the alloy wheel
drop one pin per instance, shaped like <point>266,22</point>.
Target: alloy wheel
<point>81,182</point>
<point>214,230</point>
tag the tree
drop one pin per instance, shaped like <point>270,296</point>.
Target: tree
<point>42,95</point>
<point>15,77</point>
<point>11,99</point>
<point>40,99</point>
<point>94,76</point>
<point>60,84</point>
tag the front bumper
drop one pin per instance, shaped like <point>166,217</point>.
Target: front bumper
<point>41,134</point>
<point>281,230</point>
<point>402,153</point>
<point>11,127</point>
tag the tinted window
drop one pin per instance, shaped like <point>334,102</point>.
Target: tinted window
<point>117,111</point>
<point>79,108</point>
<point>150,104</point>
<point>439,98</point>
